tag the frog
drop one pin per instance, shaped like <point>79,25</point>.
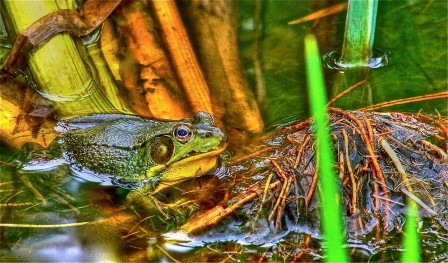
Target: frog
<point>132,151</point>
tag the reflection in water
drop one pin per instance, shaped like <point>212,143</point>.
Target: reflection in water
<point>67,225</point>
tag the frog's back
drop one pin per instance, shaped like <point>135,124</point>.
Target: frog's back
<point>113,147</point>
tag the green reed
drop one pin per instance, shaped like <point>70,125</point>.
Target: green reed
<point>357,50</point>
<point>359,32</point>
<point>411,243</point>
<point>330,208</point>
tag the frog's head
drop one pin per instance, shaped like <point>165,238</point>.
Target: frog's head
<point>190,148</point>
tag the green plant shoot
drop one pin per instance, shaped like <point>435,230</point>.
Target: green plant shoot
<point>411,244</point>
<point>330,200</point>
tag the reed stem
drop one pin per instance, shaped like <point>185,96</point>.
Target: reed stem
<point>329,196</point>
<point>411,244</point>
<point>359,32</point>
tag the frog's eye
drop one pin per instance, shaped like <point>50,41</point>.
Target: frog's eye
<point>182,133</point>
<point>161,150</point>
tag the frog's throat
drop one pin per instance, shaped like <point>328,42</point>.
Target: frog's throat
<point>184,169</point>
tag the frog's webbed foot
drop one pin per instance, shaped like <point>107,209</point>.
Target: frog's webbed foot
<point>22,188</point>
<point>169,208</point>
<point>33,156</point>
<point>142,199</point>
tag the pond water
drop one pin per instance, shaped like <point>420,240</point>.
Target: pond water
<point>414,35</point>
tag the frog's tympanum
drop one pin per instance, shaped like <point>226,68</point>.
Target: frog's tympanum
<point>137,149</point>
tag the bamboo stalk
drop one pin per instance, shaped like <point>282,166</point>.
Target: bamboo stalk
<point>152,84</point>
<point>213,25</point>
<point>182,55</point>
<point>105,80</point>
<point>57,66</point>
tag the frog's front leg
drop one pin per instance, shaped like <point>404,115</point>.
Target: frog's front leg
<point>175,205</point>
<point>162,208</point>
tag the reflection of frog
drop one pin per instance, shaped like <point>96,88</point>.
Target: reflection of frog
<point>136,150</point>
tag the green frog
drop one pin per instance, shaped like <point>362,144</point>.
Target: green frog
<point>132,150</point>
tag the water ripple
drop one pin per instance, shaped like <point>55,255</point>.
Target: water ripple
<point>380,58</point>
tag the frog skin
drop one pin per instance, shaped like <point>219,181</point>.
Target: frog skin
<point>138,149</point>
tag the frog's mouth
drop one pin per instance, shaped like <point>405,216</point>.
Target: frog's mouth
<point>192,165</point>
<point>211,151</point>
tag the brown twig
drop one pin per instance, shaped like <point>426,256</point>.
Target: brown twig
<point>44,226</point>
<point>341,164</point>
<point>302,250</point>
<point>17,204</point>
<point>283,178</point>
<point>31,187</point>
<point>300,151</point>
<point>439,95</point>
<point>64,202</point>
<point>345,92</point>
<point>312,188</point>
<point>376,167</point>
<point>440,123</point>
<point>299,125</point>
<point>283,197</point>
<point>350,173</point>
<point>250,155</point>
<point>436,149</point>
<point>216,214</point>
<point>321,13</point>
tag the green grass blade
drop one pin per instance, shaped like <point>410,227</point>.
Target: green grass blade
<point>411,243</point>
<point>330,201</point>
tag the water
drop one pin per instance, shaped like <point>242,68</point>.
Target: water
<point>411,32</point>
<point>408,35</point>
<point>379,59</point>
